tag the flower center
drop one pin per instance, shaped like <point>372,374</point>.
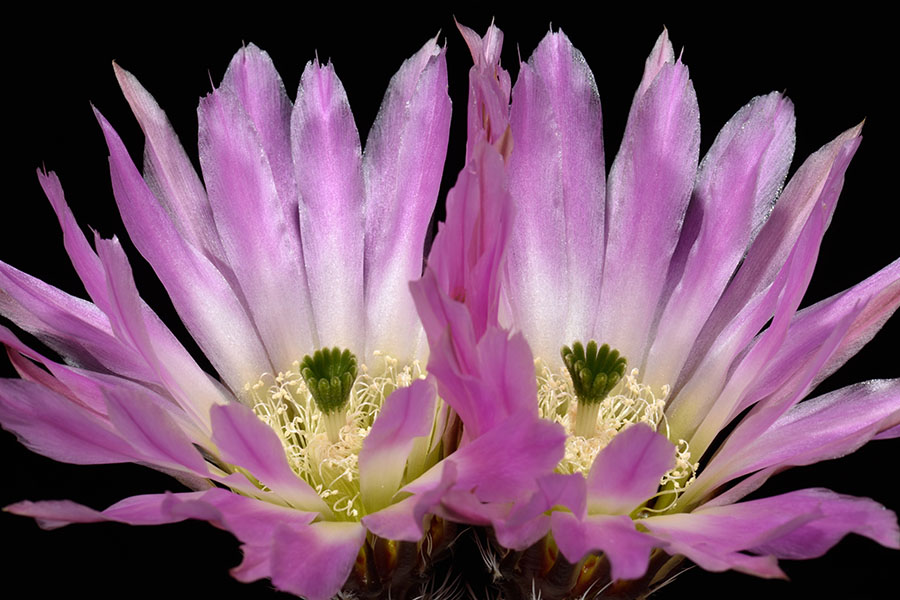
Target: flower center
<point>594,413</point>
<point>322,431</point>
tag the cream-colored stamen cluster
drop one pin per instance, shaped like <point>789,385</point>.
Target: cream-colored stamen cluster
<point>629,403</point>
<point>285,404</point>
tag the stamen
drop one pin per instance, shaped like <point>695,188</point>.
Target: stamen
<point>595,372</point>
<point>632,402</point>
<point>329,376</point>
<point>288,406</point>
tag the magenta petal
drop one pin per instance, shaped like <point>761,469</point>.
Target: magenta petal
<point>649,186</point>
<point>407,413</point>
<point>315,561</point>
<point>558,183</point>
<point>467,252</point>
<point>402,166</point>
<point>153,433</point>
<point>527,522</point>
<point>879,295</point>
<point>489,84</point>
<point>244,440</point>
<point>328,170</point>
<point>261,247</point>
<point>628,549</point>
<point>627,471</point>
<point>503,463</point>
<point>203,297</point>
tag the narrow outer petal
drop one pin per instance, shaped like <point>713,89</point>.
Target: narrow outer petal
<point>778,236</point>
<point>328,170</point>
<point>402,167</point>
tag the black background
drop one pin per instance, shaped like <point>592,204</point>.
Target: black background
<point>836,72</point>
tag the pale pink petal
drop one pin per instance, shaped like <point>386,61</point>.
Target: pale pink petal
<point>736,186</point>
<point>780,298</point>
<point>408,413</point>
<point>810,327</point>
<point>627,471</point>
<point>261,247</point>
<point>204,299</point>
<point>315,561</point>
<point>169,173</point>
<point>558,182</point>
<point>328,170</point>
<point>252,78</point>
<point>628,549</point>
<point>244,440</point>
<point>649,186</point>
<point>402,167</point>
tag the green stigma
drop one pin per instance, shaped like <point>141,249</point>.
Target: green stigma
<point>595,372</point>
<point>329,376</point>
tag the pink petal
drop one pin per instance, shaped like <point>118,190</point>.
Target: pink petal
<point>132,321</point>
<point>169,173</point>
<point>315,561</point>
<point>203,297</point>
<point>407,413</point>
<point>529,521</point>
<point>558,183</point>
<point>54,426</point>
<point>260,245</point>
<point>402,166</point>
<point>74,328</point>
<point>649,187</point>
<point>628,550</point>
<point>244,440</point>
<point>823,428</point>
<point>328,170</point>
<point>779,235</point>
<point>737,183</point>
<point>489,84</point>
<point>252,78</point>
<point>627,471</point>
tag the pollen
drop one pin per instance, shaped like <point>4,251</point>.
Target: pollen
<point>330,466</point>
<point>627,403</point>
